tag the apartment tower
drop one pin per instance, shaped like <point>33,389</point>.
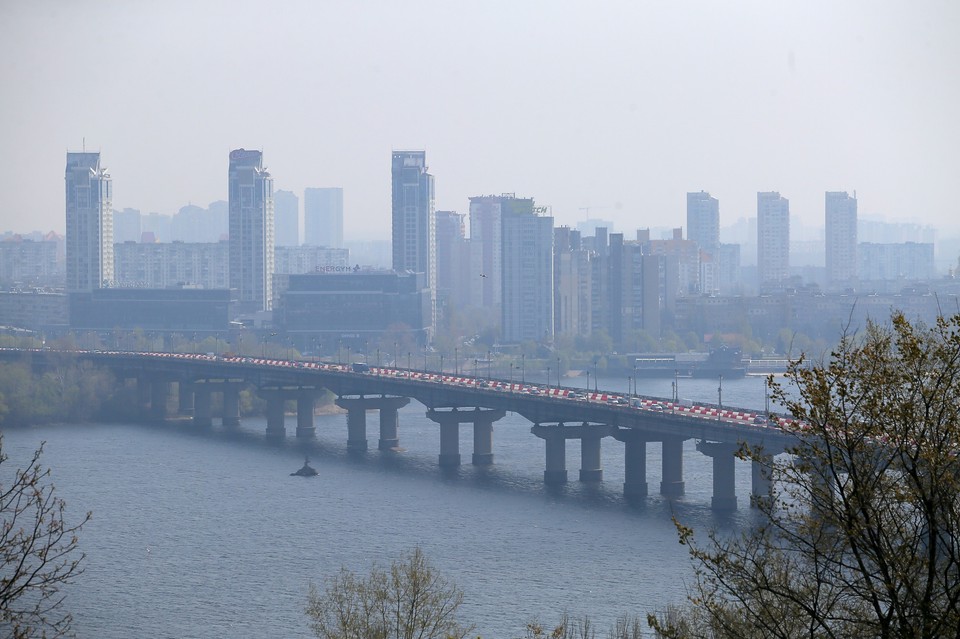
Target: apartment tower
<point>89,209</point>
<point>251,226</point>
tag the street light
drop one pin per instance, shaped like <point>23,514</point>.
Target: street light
<point>720,397</point>
<point>594,375</point>
<point>558,372</point>
<point>548,377</point>
<point>339,347</point>
<point>588,381</point>
<point>523,368</point>
<point>456,361</point>
<point>408,362</point>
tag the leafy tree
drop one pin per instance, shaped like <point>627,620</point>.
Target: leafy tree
<point>861,535</point>
<point>409,600</point>
<point>39,552</point>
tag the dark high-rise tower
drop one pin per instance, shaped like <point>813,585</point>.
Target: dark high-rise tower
<point>89,209</point>
<point>250,190</point>
<point>414,219</point>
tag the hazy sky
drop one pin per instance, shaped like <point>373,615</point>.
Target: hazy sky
<point>621,107</point>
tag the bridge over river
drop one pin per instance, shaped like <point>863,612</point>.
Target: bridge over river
<point>451,400</point>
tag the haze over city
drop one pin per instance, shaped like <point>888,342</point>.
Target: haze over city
<point>612,111</point>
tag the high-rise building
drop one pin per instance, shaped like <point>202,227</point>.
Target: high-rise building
<point>703,220</point>
<point>773,238</point>
<point>89,198</point>
<point>703,227</point>
<point>841,239</point>
<point>414,219</point>
<point>486,214</point>
<point>286,218</point>
<point>453,261</point>
<point>250,189</point>
<point>323,217</point>
<point>527,268</point>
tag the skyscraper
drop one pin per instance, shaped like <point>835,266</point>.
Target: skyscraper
<point>89,208</point>
<point>703,227</point>
<point>485,221</point>
<point>773,238</point>
<point>286,218</point>
<point>250,189</point>
<point>323,217</point>
<point>414,219</point>
<point>527,263</point>
<point>841,238</point>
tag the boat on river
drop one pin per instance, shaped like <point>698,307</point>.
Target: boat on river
<point>306,470</point>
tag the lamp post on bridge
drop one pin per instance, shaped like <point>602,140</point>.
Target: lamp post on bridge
<point>548,378</point>
<point>456,361</point>
<point>523,368</point>
<point>720,397</point>
<point>558,374</point>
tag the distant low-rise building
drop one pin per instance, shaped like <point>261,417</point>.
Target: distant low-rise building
<point>322,310</point>
<point>36,310</point>
<point>162,265</point>
<point>166,310</point>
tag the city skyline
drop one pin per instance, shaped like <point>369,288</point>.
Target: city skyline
<point>613,123</point>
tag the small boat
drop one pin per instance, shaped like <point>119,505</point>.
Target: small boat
<point>306,470</point>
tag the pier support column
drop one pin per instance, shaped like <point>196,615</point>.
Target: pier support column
<point>185,397</point>
<point>231,404</point>
<point>159,393</point>
<point>305,404</point>
<point>724,488</point>
<point>483,441</point>
<point>590,468</point>
<point>202,413</point>
<point>450,420</point>
<point>671,484</point>
<point>275,427</point>
<point>761,487</point>
<point>390,421</point>
<point>556,443</point>
<point>144,390</point>
<point>356,423</point>
<point>634,462</point>
<point>449,444</point>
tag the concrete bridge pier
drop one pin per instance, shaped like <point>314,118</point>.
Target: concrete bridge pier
<point>590,467</point>
<point>144,391</point>
<point>356,422</point>
<point>634,462</point>
<point>671,484</point>
<point>159,394</point>
<point>275,402</point>
<point>449,444</point>
<point>724,488</point>
<point>483,439</point>
<point>761,486</point>
<point>556,444</point>
<point>231,404</point>
<point>202,411</point>
<point>305,403</point>
<point>390,421</point>
<point>185,400</point>
<point>450,420</point>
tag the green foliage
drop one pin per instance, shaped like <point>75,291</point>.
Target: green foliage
<point>861,535</point>
<point>70,392</point>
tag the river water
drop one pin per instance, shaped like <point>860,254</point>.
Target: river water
<point>204,533</point>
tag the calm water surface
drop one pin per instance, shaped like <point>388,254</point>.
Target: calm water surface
<point>205,534</point>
